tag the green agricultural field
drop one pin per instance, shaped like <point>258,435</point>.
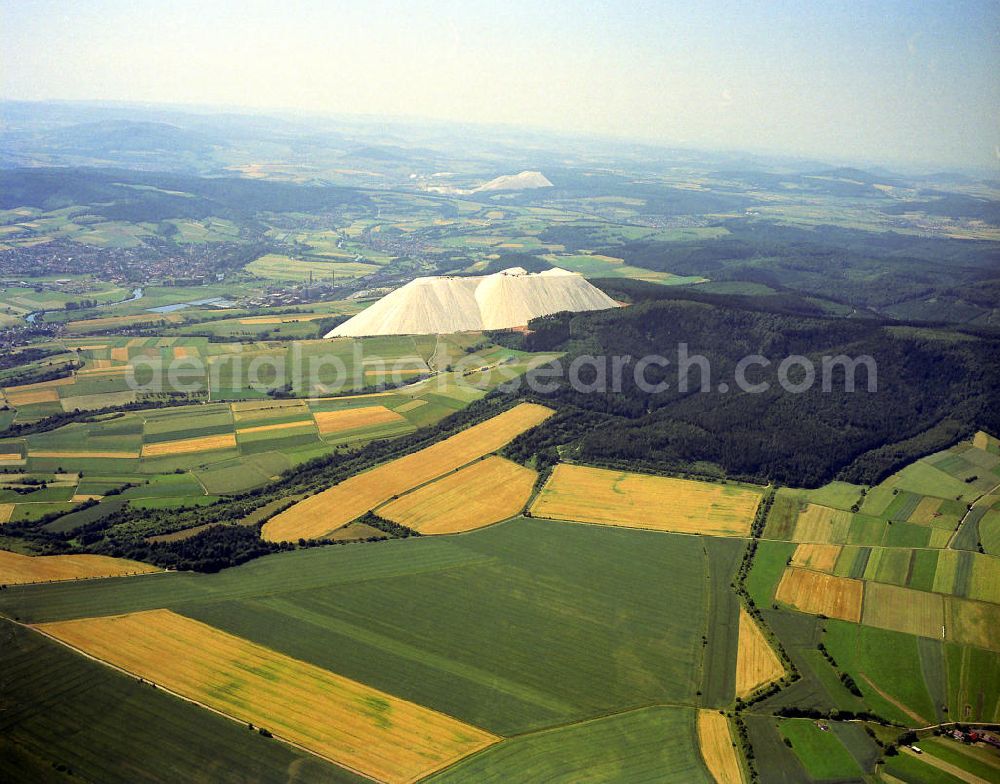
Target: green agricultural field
<point>350,609</point>
<point>647,745</point>
<point>608,267</point>
<point>283,268</point>
<point>719,668</point>
<point>820,751</point>
<point>978,761</point>
<point>973,683</point>
<point>96,724</point>
<point>888,668</point>
<point>911,769</point>
<point>775,761</point>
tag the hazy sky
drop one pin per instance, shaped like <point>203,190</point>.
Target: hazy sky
<point>916,80</point>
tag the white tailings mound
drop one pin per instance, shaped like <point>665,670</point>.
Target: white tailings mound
<point>439,305</point>
<point>525,180</point>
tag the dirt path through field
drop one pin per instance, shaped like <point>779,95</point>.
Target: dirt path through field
<point>946,767</point>
<point>889,698</point>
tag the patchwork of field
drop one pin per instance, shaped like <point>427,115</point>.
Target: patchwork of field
<point>224,447</point>
<point>892,607</point>
<point>354,725</point>
<point>953,572</point>
<point>324,512</point>
<point>920,506</point>
<point>18,569</point>
<point>607,497</point>
<point>917,681</point>
<point>486,492</point>
<point>715,739</point>
<point>756,662</point>
<point>117,370</point>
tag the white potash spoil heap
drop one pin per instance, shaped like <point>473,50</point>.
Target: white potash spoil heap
<point>440,305</point>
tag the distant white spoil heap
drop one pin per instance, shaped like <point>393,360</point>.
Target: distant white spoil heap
<point>526,180</point>
<point>441,305</point>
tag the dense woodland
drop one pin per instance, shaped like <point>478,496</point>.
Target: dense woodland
<point>933,388</point>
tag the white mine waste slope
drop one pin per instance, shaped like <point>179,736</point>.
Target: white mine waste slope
<point>439,305</point>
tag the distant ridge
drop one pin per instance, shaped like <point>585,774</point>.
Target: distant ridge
<point>442,305</point>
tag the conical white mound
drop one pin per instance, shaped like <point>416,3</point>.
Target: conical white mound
<point>439,305</point>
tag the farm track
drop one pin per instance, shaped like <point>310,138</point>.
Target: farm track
<point>946,767</point>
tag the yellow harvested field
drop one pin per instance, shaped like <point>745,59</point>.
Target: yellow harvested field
<point>186,445</point>
<point>242,431</point>
<point>354,418</point>
<point>904,610</point>
<point>756,662</point>
<point>599,495</point>
<point>32,396</point>
<point>6,457</point>
<point>486,492</point>
<point>184,352</point>
<point>820,557</point>
<point>821,594</point>
<point>980,440</point>
<point>6,510</point>
<point>119,354</point>
<point>822,524</point>
<point>324,512</point>
<point>16,569</point>
<point>82,454</point>
<point>716,743</point>
<point>354,725</point>
<point>80,498</point>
